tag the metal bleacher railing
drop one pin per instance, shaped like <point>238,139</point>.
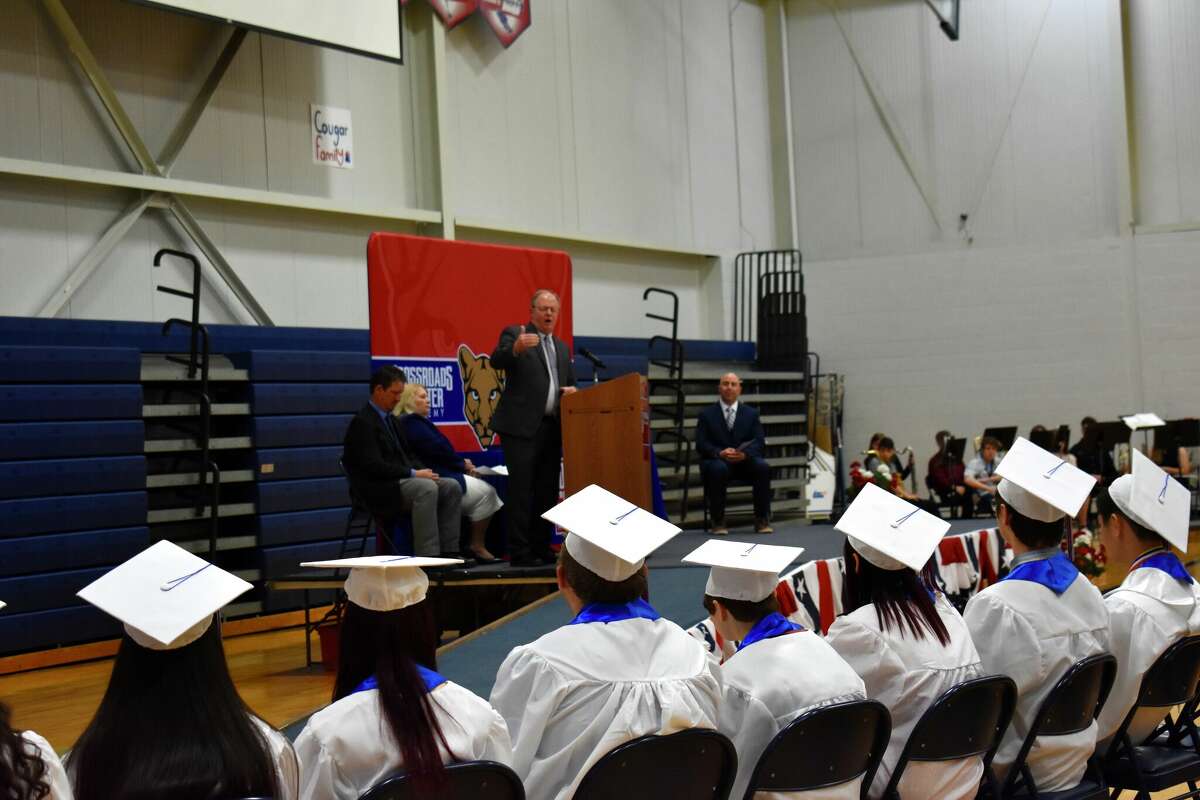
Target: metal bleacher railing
<point>679,453</point>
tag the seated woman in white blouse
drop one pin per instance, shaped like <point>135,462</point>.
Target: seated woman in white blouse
<point>905,640</point>
<point>391,712</point>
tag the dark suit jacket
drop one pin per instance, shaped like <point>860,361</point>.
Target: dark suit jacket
<point>374,461</point>
<point>523,403</point>
<point>433,448</point>
<point>712,436</point>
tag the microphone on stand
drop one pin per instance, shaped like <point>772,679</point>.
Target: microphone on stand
<point>592,357</point>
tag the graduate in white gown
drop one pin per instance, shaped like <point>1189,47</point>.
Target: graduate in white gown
<point>1044,615</point>
<point>780,669</point>
<point>902,636</point>
<point>1142,516</point>
<point>29,767</point>
<point>391,711</point>
<point>618,670</point>
<point>171,723</point>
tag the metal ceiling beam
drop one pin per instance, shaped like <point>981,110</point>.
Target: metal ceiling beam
<point>191,115</point>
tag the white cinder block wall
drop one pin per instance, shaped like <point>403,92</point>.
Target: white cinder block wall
<point>613,120</point>
<point>1041,307</point>
<point>1070,288</point>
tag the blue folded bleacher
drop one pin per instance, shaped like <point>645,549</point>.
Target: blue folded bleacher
<point>302,495</point>
<point>42,629</point>
<point>69,365</point>
<point>298,431</point>
<point>46,590</point>
<point>27,440</point>
<point>307,398</point>
<point>279,562</point>
<point>289,463</point>
<point>296,527</point>
<point>23,403</point>
<point>71,476</point>
<point>63,551</point>
<point>293,366</point>
<point>73,513</point>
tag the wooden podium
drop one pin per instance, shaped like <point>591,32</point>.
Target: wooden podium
<point>605,439</point>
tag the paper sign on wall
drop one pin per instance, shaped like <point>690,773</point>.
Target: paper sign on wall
<point>507,18</point>
<point>331,136</point>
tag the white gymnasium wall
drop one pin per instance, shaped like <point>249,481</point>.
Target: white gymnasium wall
<point>633,121</point>
<point>1039,310</point>
<point>1164,39</point>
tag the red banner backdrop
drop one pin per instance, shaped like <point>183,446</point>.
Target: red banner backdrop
<point>437,309</point>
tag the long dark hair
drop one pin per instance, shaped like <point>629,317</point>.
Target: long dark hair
<point>172,724</point>
<point>389,645</point>
<point>901,597</point>
<point>22,770</point>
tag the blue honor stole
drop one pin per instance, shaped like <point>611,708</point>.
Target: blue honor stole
<point>431,679</point>
<point>615,612</point>
<point>770,626</point>
<point>1165,561</point>
<point>1056,573</point>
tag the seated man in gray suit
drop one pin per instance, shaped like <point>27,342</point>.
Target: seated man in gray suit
<point>391,480</point>
<point>731,443</point>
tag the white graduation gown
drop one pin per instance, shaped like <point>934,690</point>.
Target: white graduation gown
<point>287,767</point>
<point>1027,632</point>
<point>581,690</point>
<point>906,675</point>
<point>771,682</point>
<point>56,776</point>
<point>1147,613</point>
<point>348,747</point>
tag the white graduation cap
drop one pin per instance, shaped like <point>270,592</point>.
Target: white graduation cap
<point>165,595</point>
<point>385,583</point>
<point>742,570</point>
<point>2,605</point>
<point>607,534</point>
<point>1144,420</point>
<point>1040,485</point>
<point>1153,499</point>
<point>889,531</point>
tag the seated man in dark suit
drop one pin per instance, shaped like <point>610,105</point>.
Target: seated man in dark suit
<point>731,443</point>
<point>391,480</point>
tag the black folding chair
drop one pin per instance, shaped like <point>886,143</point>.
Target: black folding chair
<point>697,764</point>
<point>1171,755</point>
<point>1072,705</point>
<point>967,720</point>
<point>824,747</point>
<point>470,780</point>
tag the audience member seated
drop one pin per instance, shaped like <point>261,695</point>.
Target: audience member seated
<point>763,690</point>
<point>617,671</point>
<point>391,711</point>
<point>1044,615</point>
<point>980,476</point>
<point>944,477</point>
<point>1175,459</point>
<point>904,639</point>
<point>731,443</point>
<point>171,723</point>
<point>29,767</point>
<point>390,478</point>
<point>1092,456</point>
<point>885,455</point>
<point>1157,603</point>
<point>430,445</point>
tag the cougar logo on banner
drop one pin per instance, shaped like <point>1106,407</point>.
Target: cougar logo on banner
<point>482,385</point>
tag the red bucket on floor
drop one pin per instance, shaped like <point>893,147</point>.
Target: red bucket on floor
<point>330,635</point>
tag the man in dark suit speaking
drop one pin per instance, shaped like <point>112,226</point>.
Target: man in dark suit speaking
<point>731,442</point>
<point>537,373</point>
<point>391,480</point>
